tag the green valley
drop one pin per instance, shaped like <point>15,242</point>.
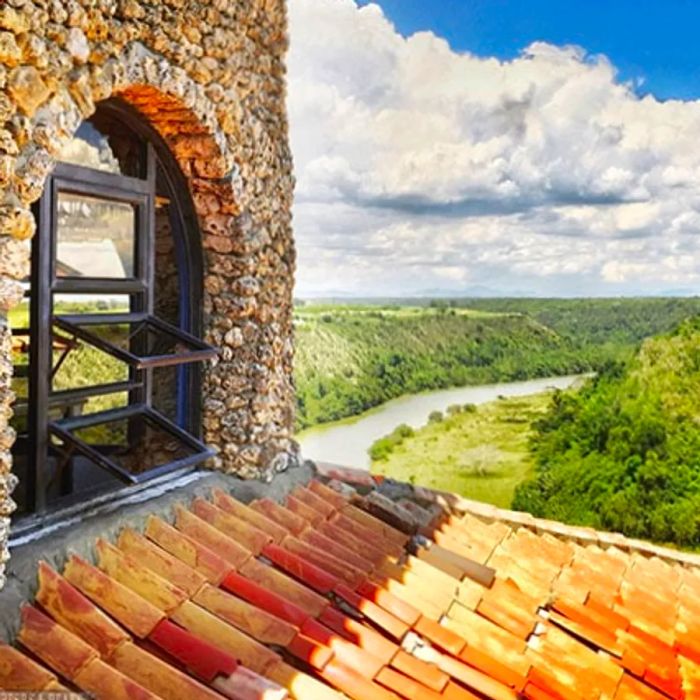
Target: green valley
<point>350,358</point>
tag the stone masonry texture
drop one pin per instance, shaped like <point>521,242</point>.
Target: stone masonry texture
<point>210,76</point>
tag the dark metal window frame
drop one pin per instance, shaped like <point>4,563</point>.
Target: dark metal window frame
<point>74,325</point>
<point>62,430</point>
<point>141,193</point>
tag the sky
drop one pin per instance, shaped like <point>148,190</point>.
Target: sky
<point>495,147</point>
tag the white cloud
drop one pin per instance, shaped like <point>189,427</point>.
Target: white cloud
<point>419,167</point>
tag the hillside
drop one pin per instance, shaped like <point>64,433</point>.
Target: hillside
<point>603,322</point>
<point>624,453</point>
<point>351,358</point>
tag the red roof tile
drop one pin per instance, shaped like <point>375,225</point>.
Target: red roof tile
<point>336,589</point>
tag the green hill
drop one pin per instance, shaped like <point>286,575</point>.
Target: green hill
<point>351,358</point>
<point>624,453</point>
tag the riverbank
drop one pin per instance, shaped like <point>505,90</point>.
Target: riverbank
<point>352,358</point>
<point>481,453</point>
<point>348,441</point>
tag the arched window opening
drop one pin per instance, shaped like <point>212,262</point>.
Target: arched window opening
<point>107,344</point>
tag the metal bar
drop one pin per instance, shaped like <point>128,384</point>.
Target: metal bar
<point>175,430</point>
<point>62,429</point>
<point>40,347</point>
<point>100,182</point>
<point>97,285</point>
<point>180,334</point>
<point>103,319</point>
<point>74,324</point>
<point>99,343</point>
<point>91,419</point>
<point>94,455</point>
<point>177,359</point>
<point>89,391</point>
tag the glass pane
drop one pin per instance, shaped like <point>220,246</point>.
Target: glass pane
<point>85,365</point>
<point>91,304</point>
<point>136,443</point>
<point>90,149</point>
<point>95,237</point>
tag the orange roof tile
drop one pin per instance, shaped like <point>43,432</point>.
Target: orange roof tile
<point>494,604</point>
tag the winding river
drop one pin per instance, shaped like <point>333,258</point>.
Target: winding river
<point>346,442</point>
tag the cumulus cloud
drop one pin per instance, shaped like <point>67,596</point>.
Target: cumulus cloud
<point>422,168</point>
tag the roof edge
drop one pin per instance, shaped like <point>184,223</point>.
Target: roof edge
<point>490,513</point>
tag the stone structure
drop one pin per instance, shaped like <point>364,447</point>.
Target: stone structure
<point>210,76</point>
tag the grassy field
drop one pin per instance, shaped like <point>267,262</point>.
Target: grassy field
<point>482,454</point>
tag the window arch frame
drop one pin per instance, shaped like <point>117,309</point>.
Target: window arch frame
<point>162,173</point>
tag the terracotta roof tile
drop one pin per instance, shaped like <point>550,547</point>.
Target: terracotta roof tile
<point>340,568</point>
<point>354,684</point>
<point>264,599</point>
<point>326,544</point>
<point>19,672</point>
<point>133,612</point>
<point>158,676</point>
<point>388,623</point>
<point>258,623</point>
<point>76,613</point>
<point>245,534</point>
<point>492,604</point>
<point>202,623</point>
<point>161,562</point>
<point>202,559</point>
<point>365,534</point>
<point>364,636</point>
<point>284,517</point>
<point>405,686</point>
<point>310,515</point>
<point>344,538</point>
<point>103,681</point>
<point>158,591</point>
<point>325,507</point>
<point>250,515</point>
<point>387,532</point>
<point>60,649</point>
<point>301,685</point>
<point>337,500</point>
<point>301,568</point>
<point>401,609</point>
<point>210,537</point>
<point>284,586</point>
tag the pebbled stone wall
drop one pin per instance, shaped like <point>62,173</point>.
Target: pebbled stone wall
<point>210,75</point>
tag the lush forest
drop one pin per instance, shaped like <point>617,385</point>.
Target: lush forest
<point>353,356</point>
<point>624,452</point>
<point>349,359</point>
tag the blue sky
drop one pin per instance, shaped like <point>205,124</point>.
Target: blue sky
<point>649,39</point>
<point>496,147</point>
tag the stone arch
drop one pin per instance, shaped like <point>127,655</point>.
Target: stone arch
<point>246,411</point>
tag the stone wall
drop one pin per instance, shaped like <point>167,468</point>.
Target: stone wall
<point>210,76</point>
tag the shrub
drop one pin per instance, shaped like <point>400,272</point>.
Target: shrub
<point>435,417</point>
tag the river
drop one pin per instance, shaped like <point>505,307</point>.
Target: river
<point>346,442</point>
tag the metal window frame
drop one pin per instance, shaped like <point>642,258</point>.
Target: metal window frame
<point>62,430</point>
<point>160,176</point>
<point>74,323</point>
